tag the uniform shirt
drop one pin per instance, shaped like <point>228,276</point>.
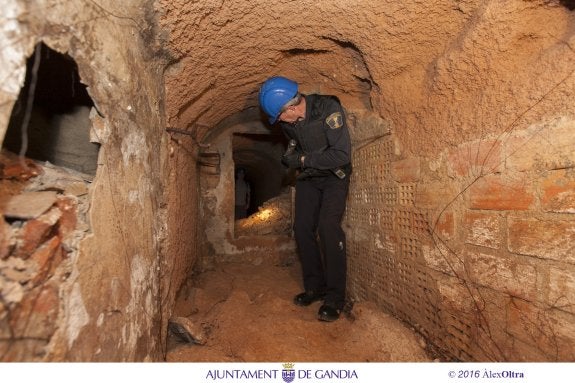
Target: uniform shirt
<point>323,136</point>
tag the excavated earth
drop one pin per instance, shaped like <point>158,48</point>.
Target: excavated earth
<point>240,312</point>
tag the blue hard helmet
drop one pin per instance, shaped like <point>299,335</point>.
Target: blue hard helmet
<point>274,94</point>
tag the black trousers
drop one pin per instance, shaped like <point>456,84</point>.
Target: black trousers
<point>319,208</point>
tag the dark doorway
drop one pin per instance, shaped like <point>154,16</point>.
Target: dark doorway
<point>258,155</point>
<point>58,128</point>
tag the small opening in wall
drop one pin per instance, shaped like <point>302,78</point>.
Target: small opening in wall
<point>59,126</point>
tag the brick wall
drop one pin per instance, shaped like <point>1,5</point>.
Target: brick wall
<point>473,248</point>
<point>39,233</point>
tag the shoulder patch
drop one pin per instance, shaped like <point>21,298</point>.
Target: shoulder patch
<point>334,120</point>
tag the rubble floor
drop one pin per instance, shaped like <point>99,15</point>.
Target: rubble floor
<point>244,313</point>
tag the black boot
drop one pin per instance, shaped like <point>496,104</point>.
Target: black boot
<point>328,313</point>
<point>308,297</point>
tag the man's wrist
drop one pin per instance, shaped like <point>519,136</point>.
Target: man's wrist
<point>302,159</point>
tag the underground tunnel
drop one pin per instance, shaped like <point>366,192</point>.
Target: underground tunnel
<point>123,126</point>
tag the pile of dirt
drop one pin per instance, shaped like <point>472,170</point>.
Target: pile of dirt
<point>272,218</point>
<point>244,313</point>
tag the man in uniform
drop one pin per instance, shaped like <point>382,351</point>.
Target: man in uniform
<point>320,148</point>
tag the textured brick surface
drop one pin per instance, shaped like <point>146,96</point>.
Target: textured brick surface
<point>503,274</point>
<point>445,225</point>
<point>558,192</point>
<point>496,192</point>
<point>441,258</point>
<point>542,238</point>
<point>483,229</point>
<point>455,294</point>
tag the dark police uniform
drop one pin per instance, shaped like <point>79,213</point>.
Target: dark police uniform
<point>321,192</point>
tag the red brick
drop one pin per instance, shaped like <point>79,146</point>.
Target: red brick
<point>503,274</point>
<point>35,232</point>
<point>434,195</point>
<point>483,229</point>
<point>13,169</point>
<point>551,239</point>
<point>497,192</point>
<point>558,193</point>
<point>48,257</point>
<point>67,222</point>
<point>408,170</point>
<point>476,158</point>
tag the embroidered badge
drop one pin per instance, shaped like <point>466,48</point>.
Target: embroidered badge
<point>334,120</point>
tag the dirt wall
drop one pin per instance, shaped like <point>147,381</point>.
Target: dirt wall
<point>106,299</point>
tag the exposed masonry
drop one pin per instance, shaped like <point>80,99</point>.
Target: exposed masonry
<point>480,264</point>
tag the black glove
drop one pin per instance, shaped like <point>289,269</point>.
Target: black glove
<point>292,161</point>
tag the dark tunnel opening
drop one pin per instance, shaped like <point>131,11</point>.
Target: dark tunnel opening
<point>53,123</point>
<point>258,155</point>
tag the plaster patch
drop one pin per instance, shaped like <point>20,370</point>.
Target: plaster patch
<point>133,196</point>
<point>138,196</point>
<point>77,315</point>
<point>134,147</point>
<point>140,308</point>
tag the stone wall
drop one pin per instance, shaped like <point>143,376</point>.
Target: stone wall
<point>99,297</point>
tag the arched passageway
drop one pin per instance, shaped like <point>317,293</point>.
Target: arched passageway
<point>460,215</point>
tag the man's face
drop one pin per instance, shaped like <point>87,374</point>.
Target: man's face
<point>293,113</point>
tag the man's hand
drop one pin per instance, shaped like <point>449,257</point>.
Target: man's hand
<point>292,161</point>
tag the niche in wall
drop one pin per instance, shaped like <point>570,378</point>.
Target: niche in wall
<point>59,126</point>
